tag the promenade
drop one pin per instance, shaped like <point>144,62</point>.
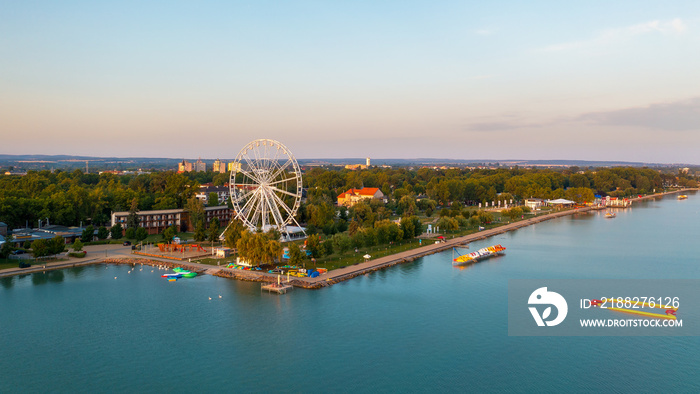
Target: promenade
<point>116,254</point>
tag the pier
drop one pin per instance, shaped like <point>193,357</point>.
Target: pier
<point>280,288</point>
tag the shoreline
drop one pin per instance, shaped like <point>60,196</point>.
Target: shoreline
<point>332,277</point>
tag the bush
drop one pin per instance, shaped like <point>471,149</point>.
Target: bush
<point>88,234</point>
<point>77,254</point>
<point>141,234</point>
<point>116,231</point>
<point>24,264</point>
<point>102,233</point>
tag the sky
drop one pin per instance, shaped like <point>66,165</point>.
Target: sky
<point>594,80</point>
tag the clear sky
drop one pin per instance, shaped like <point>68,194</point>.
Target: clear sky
<point>589,80</point>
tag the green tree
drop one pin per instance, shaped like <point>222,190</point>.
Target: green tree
<point>169,233</point>
<point>130,233</point>
<point>6,248</point>
<point>358,239</point>
<point>579,180</point>
<point>77,245</point>
<point>485,217</point>
<point>140,234</point>
<point>369,236</point>
<point>258,248</point>
<point>363,214</point>
<point>55,245</point>
<point>195,209</point>
<point>448,224</point>
<point>407,206</point>
<point>313,244</point>
<point>102,233</point>
<point>579,194</point>
<point>132,221</point>
<point>214,229</point>
<point>341,242</point>
<point>200,234</point>
<point>40,248</point>
<point>213,199</point>
<point>88,234</point>
<point>408,227</point>
<point>512,213</point>
<point>116,231</point>
<point>233,233</point>
<point>165,202</point>
<point>327,247</point>
<point>296,256</point>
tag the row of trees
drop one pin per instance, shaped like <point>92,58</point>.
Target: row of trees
<point>69,198</point>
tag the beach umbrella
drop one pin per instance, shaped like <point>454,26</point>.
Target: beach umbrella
<point>441,237</point>
<point>367,257</point>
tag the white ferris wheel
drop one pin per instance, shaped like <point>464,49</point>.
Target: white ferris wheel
<point>265,186</point>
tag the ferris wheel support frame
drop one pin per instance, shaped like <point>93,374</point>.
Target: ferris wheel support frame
<point>258,200</point>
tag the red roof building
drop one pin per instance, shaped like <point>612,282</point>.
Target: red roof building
<point>352,196</point>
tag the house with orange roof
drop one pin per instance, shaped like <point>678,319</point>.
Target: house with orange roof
<point>352,196</point>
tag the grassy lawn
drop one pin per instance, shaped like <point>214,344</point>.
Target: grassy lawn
<point>12,263</point>
<point>7,263</point>
<point>214,261</point>
<point>350,257</point>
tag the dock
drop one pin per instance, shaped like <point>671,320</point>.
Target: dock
<point>280,288</point>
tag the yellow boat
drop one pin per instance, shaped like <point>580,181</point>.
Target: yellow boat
<point>682,197</point>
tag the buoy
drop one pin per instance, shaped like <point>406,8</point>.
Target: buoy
<point>209,298</point>
<point>115,277</point>
<point>219,295</point>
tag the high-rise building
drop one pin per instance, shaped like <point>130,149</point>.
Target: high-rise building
<point>200,165</point>
<point>217,166</point>
<point>234,166</point>
<point>184,166</point>
<point>368,162</point>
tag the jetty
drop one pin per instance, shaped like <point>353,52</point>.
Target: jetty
<point>280,288</point>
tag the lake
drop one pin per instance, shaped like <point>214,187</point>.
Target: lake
<point>424,326</point>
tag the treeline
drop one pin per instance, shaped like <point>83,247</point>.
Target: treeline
<point>410,192</point>
<point>69,198</point>
<point>485,185</point>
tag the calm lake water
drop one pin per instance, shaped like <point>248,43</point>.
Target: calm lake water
<point>419,327</point>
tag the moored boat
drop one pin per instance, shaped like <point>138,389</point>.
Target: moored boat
<point>610,215</point>
<point>682,197</point>
<point>480,254</point>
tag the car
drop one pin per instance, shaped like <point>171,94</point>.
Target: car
<point>19,251</point>
<point>126,243</point>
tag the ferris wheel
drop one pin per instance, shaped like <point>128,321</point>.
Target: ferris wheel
<point>265,186</point>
